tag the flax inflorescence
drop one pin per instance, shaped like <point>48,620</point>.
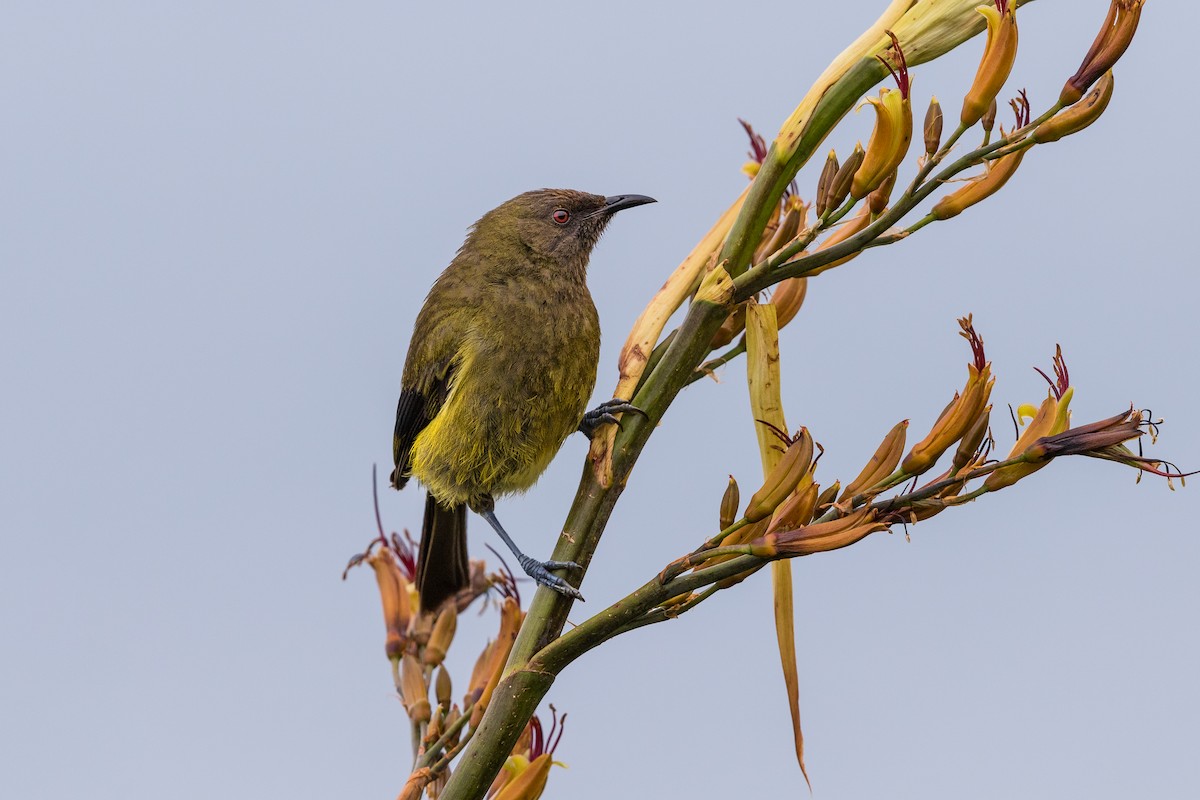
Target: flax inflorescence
<point>745,280</point>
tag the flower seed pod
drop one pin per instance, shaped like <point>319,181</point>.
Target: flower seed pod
<point>839,189</point>
<point>1115,35</point>
<point>1078,116</point>
<point>877,201</point>
<point>442,688</point>
<point>979,189</point>
<point>888,144</point>
<point>933,127</point>
<point>999,53</point>
<point>442,636</point>
<point>783,478</point>
<point>413,690</point>
<point>829,172</point>
<point>730,502</point>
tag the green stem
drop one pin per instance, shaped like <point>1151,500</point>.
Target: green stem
<point>712,365</point>
<point>656,615</point>
<point>431,754</point>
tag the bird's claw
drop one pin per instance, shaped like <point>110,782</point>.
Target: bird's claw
<point>540,572</point>
<point>605,413</point>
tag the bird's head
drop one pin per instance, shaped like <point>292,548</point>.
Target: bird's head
<point>562,224</point>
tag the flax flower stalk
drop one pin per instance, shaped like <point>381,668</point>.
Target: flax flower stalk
<point>649,326</point>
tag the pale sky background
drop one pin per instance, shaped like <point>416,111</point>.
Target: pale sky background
<point>218,223</point>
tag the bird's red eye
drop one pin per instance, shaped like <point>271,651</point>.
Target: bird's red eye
<point>561,216</point>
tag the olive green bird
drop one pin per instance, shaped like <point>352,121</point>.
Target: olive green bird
<point>499,371</point>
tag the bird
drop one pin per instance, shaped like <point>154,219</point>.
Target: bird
<point>499,370</point>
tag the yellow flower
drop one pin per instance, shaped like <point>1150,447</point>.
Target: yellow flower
<point>961,414</point>
<point>998,56</point>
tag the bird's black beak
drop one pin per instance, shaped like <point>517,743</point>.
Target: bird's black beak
<point>622,201</point>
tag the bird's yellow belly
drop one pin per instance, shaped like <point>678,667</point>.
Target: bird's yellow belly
<point>502,423</point>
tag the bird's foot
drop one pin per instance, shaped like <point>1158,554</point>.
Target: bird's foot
<point>540,572</point>
<point>606,413</point>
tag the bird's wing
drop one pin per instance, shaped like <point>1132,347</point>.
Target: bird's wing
<point>416,409</point>
<point>439,337</point>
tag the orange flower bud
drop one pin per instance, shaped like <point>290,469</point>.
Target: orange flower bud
<point>998,56</point>
<point>783,478</point>
<point>393,591</point>
<point>511,617</point>
<point>453,716</point>
<point>793,221</point>
<point>825,182</point>
<point>1078,116</point>
<point>989,118</point>
<point>933,127</point>
<point>839,189</point>
<point>433,731</point>
<point>420,627</point>
<point>480,674</point>
<point>971,440</point>
<point>442,636</point>
<point>877,200</point>
<point>768,234</point>
<point>413,689</point>
<point>883,462</point>
<point>996,174</point>
<point>730,501</point>
<point>442,688</point>
<point>1115,35</point>
<point>826,498</point>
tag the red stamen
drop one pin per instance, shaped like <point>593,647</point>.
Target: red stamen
<point>758,145</point>
<point>900,72</point>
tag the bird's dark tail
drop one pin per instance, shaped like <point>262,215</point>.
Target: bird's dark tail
<point>442,567</point>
